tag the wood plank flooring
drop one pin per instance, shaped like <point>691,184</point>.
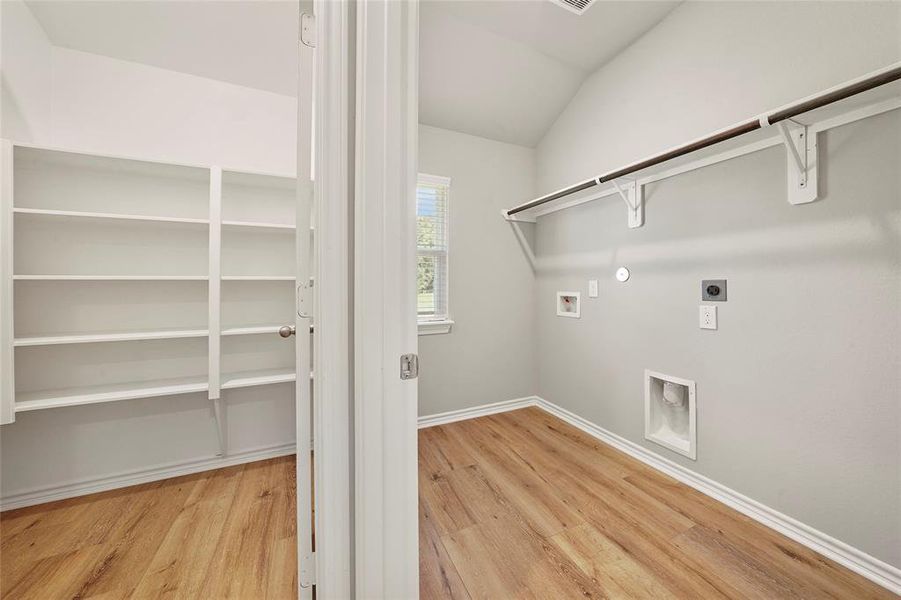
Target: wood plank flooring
<point>228,533</point>
<point>522,505</point>
<point>516,505</point>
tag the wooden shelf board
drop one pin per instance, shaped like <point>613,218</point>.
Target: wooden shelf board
<point>258,225</point>
<point>78,396</point>
<point>111,277</point>
<point>252,378</point>
<point>88,338</point>
<point>113,216</point>
<point>229,331</point>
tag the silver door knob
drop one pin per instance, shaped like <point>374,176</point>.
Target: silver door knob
<point>287,330</point>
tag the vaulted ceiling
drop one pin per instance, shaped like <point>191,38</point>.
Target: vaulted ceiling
<point>500,69</point>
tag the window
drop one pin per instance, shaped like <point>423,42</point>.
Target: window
<point>431,253</point>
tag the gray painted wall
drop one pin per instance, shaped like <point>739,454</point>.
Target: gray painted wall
<point>798,391</point>
<point>489,355</point>
<point>707,66</point>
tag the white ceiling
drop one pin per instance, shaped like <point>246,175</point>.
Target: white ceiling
<point>501,69</point>
<point>248,42</point>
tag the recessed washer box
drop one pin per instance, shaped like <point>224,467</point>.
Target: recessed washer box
<point>670,415</point>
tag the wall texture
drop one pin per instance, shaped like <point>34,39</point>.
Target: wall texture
<point>488,356</point>
<point>111,106</point>
<point>707,66</point>
<point>25,74</point>
<point>798,389</point>
<point>103,104</point>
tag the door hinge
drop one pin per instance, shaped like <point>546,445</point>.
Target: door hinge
<point>308,570</point>
<point>308,29</point>
<point>409,366</point>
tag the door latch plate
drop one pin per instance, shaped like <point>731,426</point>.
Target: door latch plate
<point>409,366</point>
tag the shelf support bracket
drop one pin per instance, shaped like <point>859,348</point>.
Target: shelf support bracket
<point>521,238</point>
<point>801,154</point>
<point>633,196</point>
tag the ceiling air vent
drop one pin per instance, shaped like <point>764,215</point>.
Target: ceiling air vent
<point>576,6</point>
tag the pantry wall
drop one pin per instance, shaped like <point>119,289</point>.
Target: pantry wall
<point>65,98</point>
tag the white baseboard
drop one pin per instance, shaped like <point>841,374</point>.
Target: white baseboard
<point>127,478</point>
<point>476,411</point>
<point>877,571</point>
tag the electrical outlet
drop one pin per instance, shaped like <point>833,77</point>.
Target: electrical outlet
<point>592,288</point>
<point>708,317</point>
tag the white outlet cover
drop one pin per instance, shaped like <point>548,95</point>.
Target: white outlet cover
<point>707,317</point>
<point>592,288</point>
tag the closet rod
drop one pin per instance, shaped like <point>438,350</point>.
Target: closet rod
<point>862,85</point>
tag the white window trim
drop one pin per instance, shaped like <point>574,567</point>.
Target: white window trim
<point>435,327</point>
<point>442,326</point>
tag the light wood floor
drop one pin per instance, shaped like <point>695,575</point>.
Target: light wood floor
<point>522,505</point>
<point>228,533</point>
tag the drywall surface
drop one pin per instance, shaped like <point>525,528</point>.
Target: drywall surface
<point>488,356</point>
<point>798,390</point>
<point>25,75</point>
<point>113,106</point>
<point>709,65</point>
<point>110,106</point>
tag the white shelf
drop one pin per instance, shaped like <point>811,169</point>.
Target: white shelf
<point>258,225</point>
<point>111,277</point>
<point>250,330</point>
<point>26,401</point>
<point>243,379</point>
<point>110,337</point>
<point>257,278</point>
<point>114,216</point>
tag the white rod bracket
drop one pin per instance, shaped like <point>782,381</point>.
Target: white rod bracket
<point>633,196</point>
<point>521,238</point>
<point>801,155</point>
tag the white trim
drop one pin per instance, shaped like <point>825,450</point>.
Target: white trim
<point>332,369</point>
<point>434,327</point>
<point>870,567</point>
<point>123,479</point>
<point>476,411</point>
<point>307,508</point>
<point>7,353</point>
<point>436,180</point>
<point>386,517</point>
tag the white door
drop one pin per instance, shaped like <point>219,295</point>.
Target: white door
<point>303,315</point>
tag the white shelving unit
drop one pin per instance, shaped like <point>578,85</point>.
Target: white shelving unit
<point>123,278</point>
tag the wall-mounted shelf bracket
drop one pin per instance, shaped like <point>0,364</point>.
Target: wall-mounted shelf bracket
<point>521,237</point>
<point>633,196</point>
<point>801,152</point>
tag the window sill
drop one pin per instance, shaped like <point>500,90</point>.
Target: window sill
<point>435,327</point>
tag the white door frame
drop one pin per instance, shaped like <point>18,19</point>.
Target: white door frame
<point>385,407</point>
<point>332,378</point>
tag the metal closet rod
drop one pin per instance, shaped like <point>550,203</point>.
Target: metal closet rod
<point>863,85</point>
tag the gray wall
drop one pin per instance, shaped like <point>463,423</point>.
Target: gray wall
<point>489,354</point>
<point>798,391</point>
<point>708,65</point>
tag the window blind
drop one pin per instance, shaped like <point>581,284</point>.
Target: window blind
<point>432,196</point>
